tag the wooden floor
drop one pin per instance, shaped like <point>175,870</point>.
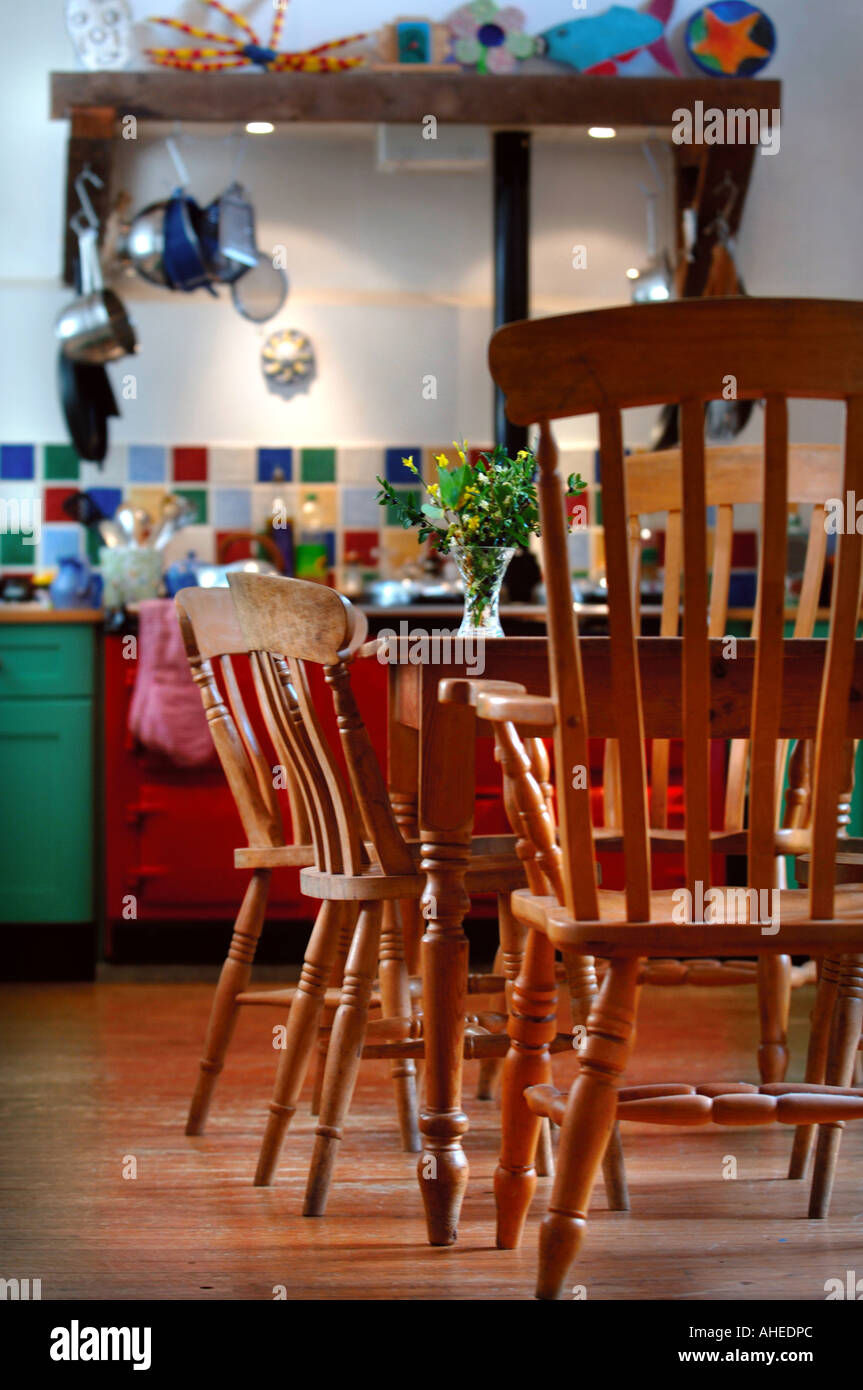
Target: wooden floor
<point>94,1075</point>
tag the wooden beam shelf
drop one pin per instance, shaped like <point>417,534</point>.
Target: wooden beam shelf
<point>522,101</point>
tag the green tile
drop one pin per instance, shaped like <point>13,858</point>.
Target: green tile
<point>318,466</point>
<point>197,496</point>
<point>393,518</point>
<point>61,461</point>
<point>14,551</point>
<point>94,545</point>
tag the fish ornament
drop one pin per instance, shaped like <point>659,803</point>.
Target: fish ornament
<point>599,43</point>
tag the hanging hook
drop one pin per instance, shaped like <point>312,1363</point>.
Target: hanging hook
<point>176,158</point>
<point>87,213</point>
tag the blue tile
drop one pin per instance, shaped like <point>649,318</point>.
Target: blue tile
<point>148,463</point>
<point>742,586</point>
<point>107,499</point>
<point>395,469</point>
<point>59,541</point>
<point>231,507</point>
<point>275,465</point>
<point>359,508</point>
<point>17,461</point>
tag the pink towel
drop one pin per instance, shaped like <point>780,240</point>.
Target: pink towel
<point>166,714</point>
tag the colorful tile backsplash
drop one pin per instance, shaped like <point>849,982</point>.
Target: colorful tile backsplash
<point>233,488</point>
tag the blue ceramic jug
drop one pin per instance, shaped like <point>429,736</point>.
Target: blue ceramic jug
<point>74,586</point>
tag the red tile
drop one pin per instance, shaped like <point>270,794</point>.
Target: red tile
<point>473,454</point>
<point>54,499</point>
<point>190,465</point>
<point>239,550</point>
<point>583,500</point>
<point>744,550</point>
<point>363,545</point>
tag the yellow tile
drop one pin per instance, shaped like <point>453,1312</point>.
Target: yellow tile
<point>398,548</point>
<point>327,498</point>
<point>148,498</point>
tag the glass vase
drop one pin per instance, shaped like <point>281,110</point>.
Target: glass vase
<point>482,568</point>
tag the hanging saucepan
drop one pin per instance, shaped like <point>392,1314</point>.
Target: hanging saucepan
<point>144,244</point>
<point>94,327</point>
<point>228,235</point>
<point>183,258</point>
<point>87,401</point>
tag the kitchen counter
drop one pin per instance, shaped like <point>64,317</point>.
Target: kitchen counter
<point>39,613</point>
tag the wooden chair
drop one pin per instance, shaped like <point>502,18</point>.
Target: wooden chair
<point>733,475</point>
<point>362,864</point>
<point>604,362</point>
<point>213,642</point>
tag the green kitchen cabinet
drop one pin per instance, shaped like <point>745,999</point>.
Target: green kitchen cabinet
<point>46,772</point>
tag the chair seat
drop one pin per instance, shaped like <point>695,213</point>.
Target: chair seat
<point>614,935</point>
<point>274,856</point>
<point>487,873</point>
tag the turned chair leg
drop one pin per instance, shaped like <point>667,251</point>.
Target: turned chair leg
<point>490,1067</point>
<point>816,1058</point>
<point>233,979</point>
<point>531,1027</point>
<point>396,1003</point>
<point>588,1123</point>
<point>343,1059</point>
<point>581,978</point>
<point>337,975</point>
<point>302,1032</point>
<point>844,1040</point>
<point>774,1003</point>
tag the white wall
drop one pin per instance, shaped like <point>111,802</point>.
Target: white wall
<point>391,275</point>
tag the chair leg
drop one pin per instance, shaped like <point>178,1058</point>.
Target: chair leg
<point>343,1060</point>
<point>337,975</point>
<point>396,1003</point>
<point>233,979</point>
<point>581,978</point>
<point>774,1003</point>
<point>844,1039</point>
<point>531,1027</point>
<point>302,1032</point>
<point>816,1058</point>
<point>490,1067</point>
<point>587,1125</point>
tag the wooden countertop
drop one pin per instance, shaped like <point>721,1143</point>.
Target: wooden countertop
<point>39,613</point>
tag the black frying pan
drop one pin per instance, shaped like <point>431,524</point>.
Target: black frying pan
<point>88,402</point>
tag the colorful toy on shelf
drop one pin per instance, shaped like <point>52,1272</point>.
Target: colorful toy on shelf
<point>248,51</point>
<point>599,43</point>
<point>413,43</point>
<point>490,38</point>
<point>730,38</point>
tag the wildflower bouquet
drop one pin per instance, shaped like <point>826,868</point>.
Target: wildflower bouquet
<point>483,512</point>
<point>490,503</point>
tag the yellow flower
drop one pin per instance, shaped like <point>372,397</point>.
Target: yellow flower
<point>433,490</point>
<point>441,460</point>
<point>460,451</point>
<point>473,523</point>
<point>409,463</point>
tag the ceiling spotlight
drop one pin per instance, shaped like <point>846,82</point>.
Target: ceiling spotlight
<point>602,132</point>
<point>632,273</point>
<point>260,128</point>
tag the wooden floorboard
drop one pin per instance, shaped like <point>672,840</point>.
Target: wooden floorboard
<point>92,1074</point>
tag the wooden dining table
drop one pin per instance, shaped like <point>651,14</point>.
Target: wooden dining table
<point>432,786</point>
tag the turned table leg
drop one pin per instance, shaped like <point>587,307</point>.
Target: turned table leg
<point>442,1167</point>
<point>446,810</point>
